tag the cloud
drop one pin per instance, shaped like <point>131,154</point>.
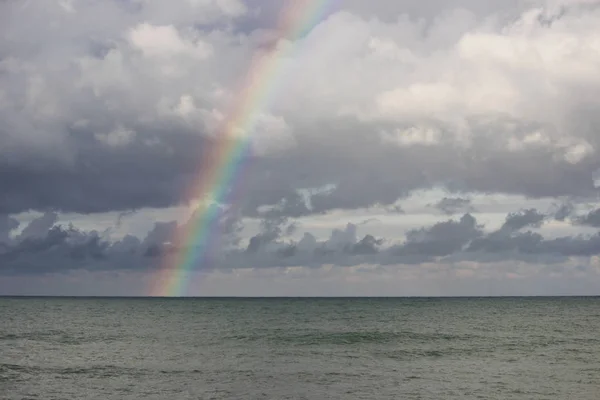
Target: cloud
<point>441,239</point>
<point>590,219</point>
<point>108,107</point>
<point>40,226</point>
<point>116,110</point>
<point>564,211</point>
<point>522,219</point>
<point>62,249</point>
<point>118,137</point>
<point>7,225</point>
<point>367,245</point>
<point>454,205</point>
<point>166,42</point>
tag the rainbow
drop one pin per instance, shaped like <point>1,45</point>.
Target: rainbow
<point>223,161</point>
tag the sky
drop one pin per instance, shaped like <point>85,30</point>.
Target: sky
<point>409,147</point>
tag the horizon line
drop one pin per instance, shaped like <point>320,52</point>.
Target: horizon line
<point>299,297</point>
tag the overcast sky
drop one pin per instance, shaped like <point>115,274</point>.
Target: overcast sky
<point>411,147</point>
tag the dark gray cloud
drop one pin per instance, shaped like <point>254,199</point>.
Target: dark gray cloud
<point>367,245</point>
<point>272,228</point>
<point>564,211</point>
<point>441,239</point>
<point>58,250</point>
<point>590,219</point>
<point>502,242</point>
<point>454,205</point>
<point>62,249</point>
<point>101,179</point>
<point>522,219</point>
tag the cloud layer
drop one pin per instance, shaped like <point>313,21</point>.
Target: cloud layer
<point>43,247</point>
<point>112,107</point>
<point>116,106</point>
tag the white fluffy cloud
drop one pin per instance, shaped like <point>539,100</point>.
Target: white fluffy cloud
<point>450,80</point>
<point>166,42</point>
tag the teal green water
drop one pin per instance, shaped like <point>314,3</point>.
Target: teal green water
<point>494,348</point>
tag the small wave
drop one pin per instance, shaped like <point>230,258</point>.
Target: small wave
<point>345,338</point>
<point>38,336</point>
<point>400,355</point>
<point>59,337</point>
<point>98,370</point>
<point>13,368</point>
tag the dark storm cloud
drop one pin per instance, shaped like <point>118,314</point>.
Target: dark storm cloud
<point>464,239</point>
<point>365,172</point>
<point>67,248</point>
<point>58,250</point>
<point>105,179</point>
<point>102,178</point>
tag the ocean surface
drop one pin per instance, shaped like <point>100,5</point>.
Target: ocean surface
<point>477,348</point>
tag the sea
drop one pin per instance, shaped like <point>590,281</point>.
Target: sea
<point>300,348</point>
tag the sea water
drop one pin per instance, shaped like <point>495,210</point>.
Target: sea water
<point>350,348</point>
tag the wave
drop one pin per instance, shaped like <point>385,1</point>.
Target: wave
<point>345,338</point>
<point>60,337</point>
<point>97,370</point>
